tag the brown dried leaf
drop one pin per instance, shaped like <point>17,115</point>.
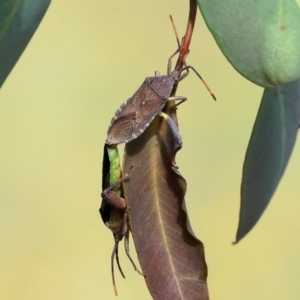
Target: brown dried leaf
<point>171,257</point>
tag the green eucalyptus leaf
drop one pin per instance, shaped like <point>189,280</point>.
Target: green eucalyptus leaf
<point>270,147</point>
<point>261,39</point>
<point>18,21</point>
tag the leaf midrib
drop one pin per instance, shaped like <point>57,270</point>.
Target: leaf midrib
<point>158,207</point>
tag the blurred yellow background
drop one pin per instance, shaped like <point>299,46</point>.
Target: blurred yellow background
<point>86,58</point>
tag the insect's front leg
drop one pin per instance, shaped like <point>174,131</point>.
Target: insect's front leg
<point>181,99</point>
<point>112,198</point>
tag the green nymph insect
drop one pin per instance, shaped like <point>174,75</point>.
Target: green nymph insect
<point>113,208</point>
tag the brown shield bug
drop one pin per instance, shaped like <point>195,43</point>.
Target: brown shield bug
<point>135,115</point>
<point>113,208</point>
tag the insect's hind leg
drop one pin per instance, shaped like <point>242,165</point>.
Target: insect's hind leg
<point>176,135</point>
<point>126,245</point>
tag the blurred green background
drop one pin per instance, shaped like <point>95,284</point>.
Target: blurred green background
<point>86,58</point>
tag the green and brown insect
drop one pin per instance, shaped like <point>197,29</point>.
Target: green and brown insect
<point>113,208</point>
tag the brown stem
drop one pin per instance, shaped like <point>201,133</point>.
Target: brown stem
<point>170,106</point>
<point>188,35</point>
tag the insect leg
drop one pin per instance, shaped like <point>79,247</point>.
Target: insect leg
<point>178,98</point>
<point>173,128</point>
<point>170,61</point>
<point>126,244</point>
<point>113,198</point>
<point>176,136</point>
<point>115,253</point>
<point>182,76</point>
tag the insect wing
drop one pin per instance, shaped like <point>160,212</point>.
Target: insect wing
<point>146,111</point>
<point>135,115</point>
<point>122,124</point>
<point>120,131</point>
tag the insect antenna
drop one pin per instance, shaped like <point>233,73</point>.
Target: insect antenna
<point>175,31</point>
<point>186,68</point>
<point>113,255</point>
<point>178,43</point>
<point>118,261</point>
